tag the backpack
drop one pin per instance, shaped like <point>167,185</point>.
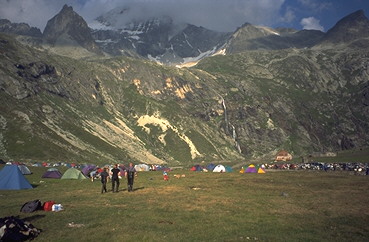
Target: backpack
<point>48,205</point>
<point>15,229</point>
<point>31,206</point>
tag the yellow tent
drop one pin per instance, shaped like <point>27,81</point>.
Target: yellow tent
<point>261,170</point>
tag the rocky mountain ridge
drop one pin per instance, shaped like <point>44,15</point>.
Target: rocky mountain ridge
<point>19,28</point>
<point>163,40</point>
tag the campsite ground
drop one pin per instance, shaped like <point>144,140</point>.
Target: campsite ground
<point>276,206</point>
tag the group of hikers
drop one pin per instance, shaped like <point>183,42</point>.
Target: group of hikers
<point>104,174</point>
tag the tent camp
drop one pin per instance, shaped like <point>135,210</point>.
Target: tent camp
<point>73,173</point>
<point>11,178</point>
<point>219,168</point>
<point>52,174</point>
<point>24,169</point>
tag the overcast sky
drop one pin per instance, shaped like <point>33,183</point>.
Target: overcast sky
<point>221,15</point>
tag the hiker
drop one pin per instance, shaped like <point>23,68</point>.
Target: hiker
<point>165,176</point>
<point>115,178</point>
<point>104,179</point>
<point>130,174</point>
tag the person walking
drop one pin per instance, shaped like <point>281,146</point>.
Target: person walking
<point>115,178</point>
<point>130,174</point>
<point>104,179</point>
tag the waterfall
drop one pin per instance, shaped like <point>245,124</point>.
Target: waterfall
<point>228,125</point>
<point>226,128</point>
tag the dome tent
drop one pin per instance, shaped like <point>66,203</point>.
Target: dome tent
<point>219,168</point>
<point>142,167</point>
<point>251,169</point>
<point>73,173</point>
<point>52,174</point>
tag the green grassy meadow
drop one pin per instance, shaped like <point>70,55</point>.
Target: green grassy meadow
<point>276,206</point>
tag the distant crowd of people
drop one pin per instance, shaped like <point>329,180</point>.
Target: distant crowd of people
<point>357,168</point>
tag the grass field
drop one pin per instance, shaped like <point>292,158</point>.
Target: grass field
<point>276,206</point>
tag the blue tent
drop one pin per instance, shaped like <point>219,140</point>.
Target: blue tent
<point>229,169</point>
<point>210,167</point>
<point>11,178</point>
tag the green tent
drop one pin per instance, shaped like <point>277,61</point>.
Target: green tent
<point>73,173</point>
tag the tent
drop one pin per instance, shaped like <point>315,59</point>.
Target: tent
<point>73,173</point>
<point>210,167</point>
<point>142,167</point>
<point>251,169</point>
<point>11,178</point>
<point>261,170</point>
<point>87,169</point>
<point>52,174</point>
<point>228,169</point>
<point>24,169</point>
<point>196,168</point>
<point>219,168</point>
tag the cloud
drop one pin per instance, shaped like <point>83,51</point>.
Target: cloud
<point>213,14</point>
<point>222,15</point>
<point>314,5</point>
<point>311,23</point>
<point>288,16</point>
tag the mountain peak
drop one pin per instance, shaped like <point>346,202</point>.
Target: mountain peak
<point>67,8</point>
<point>67,24</point>
<point>350,28</point>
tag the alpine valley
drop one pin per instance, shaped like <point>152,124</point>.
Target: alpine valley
<point>160,92</point>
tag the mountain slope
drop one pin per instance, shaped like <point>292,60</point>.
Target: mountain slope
<point>58,108</point>
<point>301,100</point>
